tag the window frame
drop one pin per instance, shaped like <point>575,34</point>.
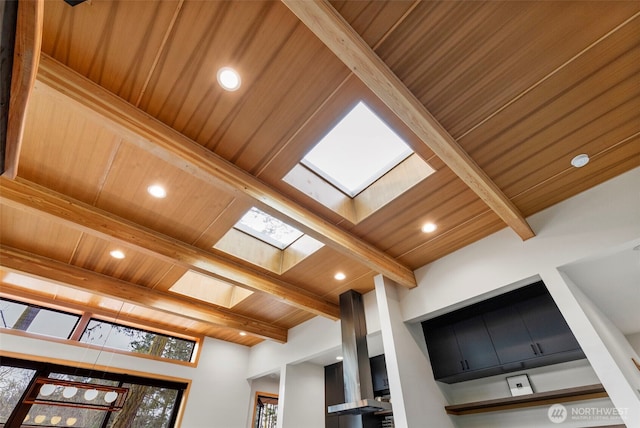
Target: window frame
<point>45,368</point>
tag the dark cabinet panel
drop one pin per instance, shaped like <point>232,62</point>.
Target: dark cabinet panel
<point>444,353</point>
<point>475,344</point>
<point>518,330</point>
<point>379,375</point>
<point>510,335</point>
<point>546,325</point>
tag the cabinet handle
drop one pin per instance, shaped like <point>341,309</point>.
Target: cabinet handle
<point>534,349</point>
<point>539,348</point>
<point>462,364</point>
<point>467,364</point>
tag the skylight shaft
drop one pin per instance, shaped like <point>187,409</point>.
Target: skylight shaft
<point>268,229</point>
<point>359,150</point>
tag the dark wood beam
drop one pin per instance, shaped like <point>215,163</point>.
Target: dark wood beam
<point>96,222</point>
<point>103,285</point>
<point>169,145</point>
<point>332,29</point>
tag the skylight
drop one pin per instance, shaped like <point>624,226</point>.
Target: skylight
<point>359,150</point>
<point>268,229</point>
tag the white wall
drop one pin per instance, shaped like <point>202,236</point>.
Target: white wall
<point>219,386</point>
<point>634,341</point>
<point>415,395</point>
<point>604,345</point>
<point>587,224</point>
<point>542,379</point>
<point>301,400</point>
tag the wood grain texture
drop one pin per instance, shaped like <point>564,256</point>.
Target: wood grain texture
<point>180,151</point>
<point>88,280</point>
<point>587,392</point>
<point>26,56</point>
<point>126,96</point>
<point>99,223</point>
<point>329,26</point>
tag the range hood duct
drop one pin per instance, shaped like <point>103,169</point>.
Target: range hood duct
<point>358,385</point>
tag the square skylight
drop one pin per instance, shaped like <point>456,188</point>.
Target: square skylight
<point>268,229</point>
<point>359,150</point>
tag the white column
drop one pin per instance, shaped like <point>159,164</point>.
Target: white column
<point>416,398</point>
<point>606,348</point>
<point>301,397</point>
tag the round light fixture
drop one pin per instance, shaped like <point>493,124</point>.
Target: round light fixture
<point>55,420</point>
<point>242,333</point>
<point>157,191</point>
<point>69,391</point>
<point>90,394</point>
<point>39,419</point>
<point>340,276</point>
<point>71,421</point>
<point>580,160</point>
<point>47,389</point>
<point>229,79</point>
<point>117,254</point>
<point>429,227</point>
<point>110,396</point>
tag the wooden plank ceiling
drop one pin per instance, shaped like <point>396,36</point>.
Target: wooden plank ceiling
<point>497,97</point>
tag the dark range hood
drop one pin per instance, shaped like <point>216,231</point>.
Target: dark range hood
<point>358,385</point>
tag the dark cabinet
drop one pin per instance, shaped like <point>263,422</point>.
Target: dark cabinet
<point>443,350</point>
<point>510,336</point>
<point>459,347</point>
<point>379,375</point>
<point>549,331</point>
<point>476,349</point>
<point>518,330</point>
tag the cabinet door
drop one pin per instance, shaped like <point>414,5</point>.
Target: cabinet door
<point>444,353</point>
<point>333,392</point>
<point>475,344</point>
<point>510,336</point>
<point>379,375</point>
<point>547,327</point>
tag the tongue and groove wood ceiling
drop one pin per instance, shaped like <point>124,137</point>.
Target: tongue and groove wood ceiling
<point>497,97</point>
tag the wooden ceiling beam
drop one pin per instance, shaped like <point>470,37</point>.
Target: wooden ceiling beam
<point>26,56</point>
<point>87,280</point>
<point>99,223</point>
<point>332,29</point>
<point>169,145</point>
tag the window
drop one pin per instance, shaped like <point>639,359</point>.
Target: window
<point>267,228</point>
<point>359,150</point>
<point>148,402</point>
<point>14,381</point>
<point>36,319</point>
<point>358,167</point>
<point>31,318</point>
<point>266,410</point>
<point>102,333</point>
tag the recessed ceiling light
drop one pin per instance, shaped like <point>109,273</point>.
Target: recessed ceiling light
<point>429,227</point>
<point>157,191</point>
<point>339,276</point>
<point>580,160</point>
<point>117,254</point>
<point>228,78</point>
<point>242,333</point>
<point>339,358</point>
